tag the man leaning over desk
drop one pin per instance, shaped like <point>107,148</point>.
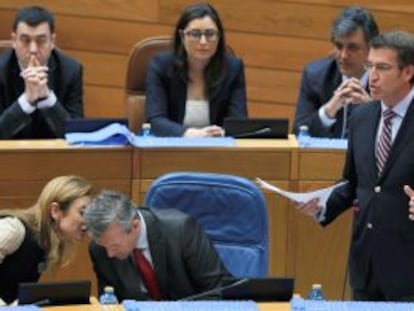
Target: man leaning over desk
<point>150,254</point>
<point>40,87</point>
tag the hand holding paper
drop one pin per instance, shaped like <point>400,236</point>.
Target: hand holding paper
<point>300,197</point>
<point>310,203</point>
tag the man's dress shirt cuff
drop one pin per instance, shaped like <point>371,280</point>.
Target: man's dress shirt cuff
<point>25,105</point>
<point>326,121</point>
<point>320,217</point>
<point>47,102</point>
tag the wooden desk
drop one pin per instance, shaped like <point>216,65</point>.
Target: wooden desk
<point>262,307</point>
<point>298,246</point>
<point>317,254</point>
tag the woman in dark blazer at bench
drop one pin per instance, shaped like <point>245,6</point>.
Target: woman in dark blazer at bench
<point>191,90</point>
<point>42,238</point>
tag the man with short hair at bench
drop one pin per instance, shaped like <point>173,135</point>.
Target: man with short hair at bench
<point>40,87</point>
<point>332,86</point>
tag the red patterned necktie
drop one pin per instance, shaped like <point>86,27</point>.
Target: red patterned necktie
<point>385,140</point>
<point>148,275</point>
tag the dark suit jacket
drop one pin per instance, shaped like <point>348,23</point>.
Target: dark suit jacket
<point>166,95</point>
<point>185,261</point>
<point>65,79</point>
<point>16,268</point>
<point>382,235</point>
<point>320,79</point>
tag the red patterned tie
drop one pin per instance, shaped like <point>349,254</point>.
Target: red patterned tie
<point>148,275</point>
<point>385,141</point>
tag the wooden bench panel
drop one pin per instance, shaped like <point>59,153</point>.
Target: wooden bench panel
<point>137,10</point>
<point>272,85</point>
<point>276,52</point>
<point>400,6</point>
<point>104,35</point>
<point>271,110</point>
<point>102,69</point>
<point>267,17</point>
<point>103,101</point>
<point>302,19</point>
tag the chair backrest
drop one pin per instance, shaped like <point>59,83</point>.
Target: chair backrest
<point>231,209</point>
<point>139,58</point>
<point>5,45</point>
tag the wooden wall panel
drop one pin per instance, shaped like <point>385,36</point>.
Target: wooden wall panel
<point>102,69</point>
<point>137,10</point>
<point>266,109</point>
<point>103,101</point>
<point>276,52</point>
<point>267,17</point>
<point>103,35</point>
<point>272,85</point>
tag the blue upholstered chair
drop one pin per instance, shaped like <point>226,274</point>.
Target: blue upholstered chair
<point>231,209</point>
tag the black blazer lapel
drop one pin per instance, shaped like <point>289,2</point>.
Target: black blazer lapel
<point>131,278</point>
<point>158,251</point>
<point>370,134</point>
<point>54,84</point>
<point>179,94</point>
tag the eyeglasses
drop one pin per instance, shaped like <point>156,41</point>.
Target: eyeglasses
<point>195,35</point>
<point>380,67</point>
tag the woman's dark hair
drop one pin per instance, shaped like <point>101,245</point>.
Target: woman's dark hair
<point>215,70</point>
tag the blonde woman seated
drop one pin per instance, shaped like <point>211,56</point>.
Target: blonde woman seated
<point>42,237</point>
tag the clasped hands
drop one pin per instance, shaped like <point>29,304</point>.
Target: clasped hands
<point>350,92</point>
<point>36,81</point>
<point>312,207</point>
<point>207,131</point>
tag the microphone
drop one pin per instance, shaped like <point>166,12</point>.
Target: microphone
<point>42,302</point>
<point>215,290</point>
<point>264,130</point>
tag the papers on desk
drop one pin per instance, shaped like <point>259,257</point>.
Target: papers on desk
<point>200,305</point>
<point>21,308</point>
<point>326,143</point>
<point>301,197</point>
<point>354,305</point>
<point>119,134</point>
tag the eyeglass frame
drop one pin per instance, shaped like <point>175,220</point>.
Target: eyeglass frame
<point>380,67</point>
<point>195,35</point>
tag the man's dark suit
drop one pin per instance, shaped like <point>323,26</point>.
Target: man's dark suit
<point>65,79</point>
<point>320,79</point>
<point>166,95</point>
<point>382,236</point>
<point>184,259</point>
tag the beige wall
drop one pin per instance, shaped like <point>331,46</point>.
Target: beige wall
<point>275,39</point>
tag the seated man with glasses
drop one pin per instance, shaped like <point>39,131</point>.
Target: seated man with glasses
<point>191,90</point>
<point>40,87</point>
<point>333,85</point>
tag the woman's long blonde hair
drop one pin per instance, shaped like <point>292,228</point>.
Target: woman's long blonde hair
<point>62,190</point>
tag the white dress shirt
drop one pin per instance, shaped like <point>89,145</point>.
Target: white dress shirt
<point>12,232</point>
